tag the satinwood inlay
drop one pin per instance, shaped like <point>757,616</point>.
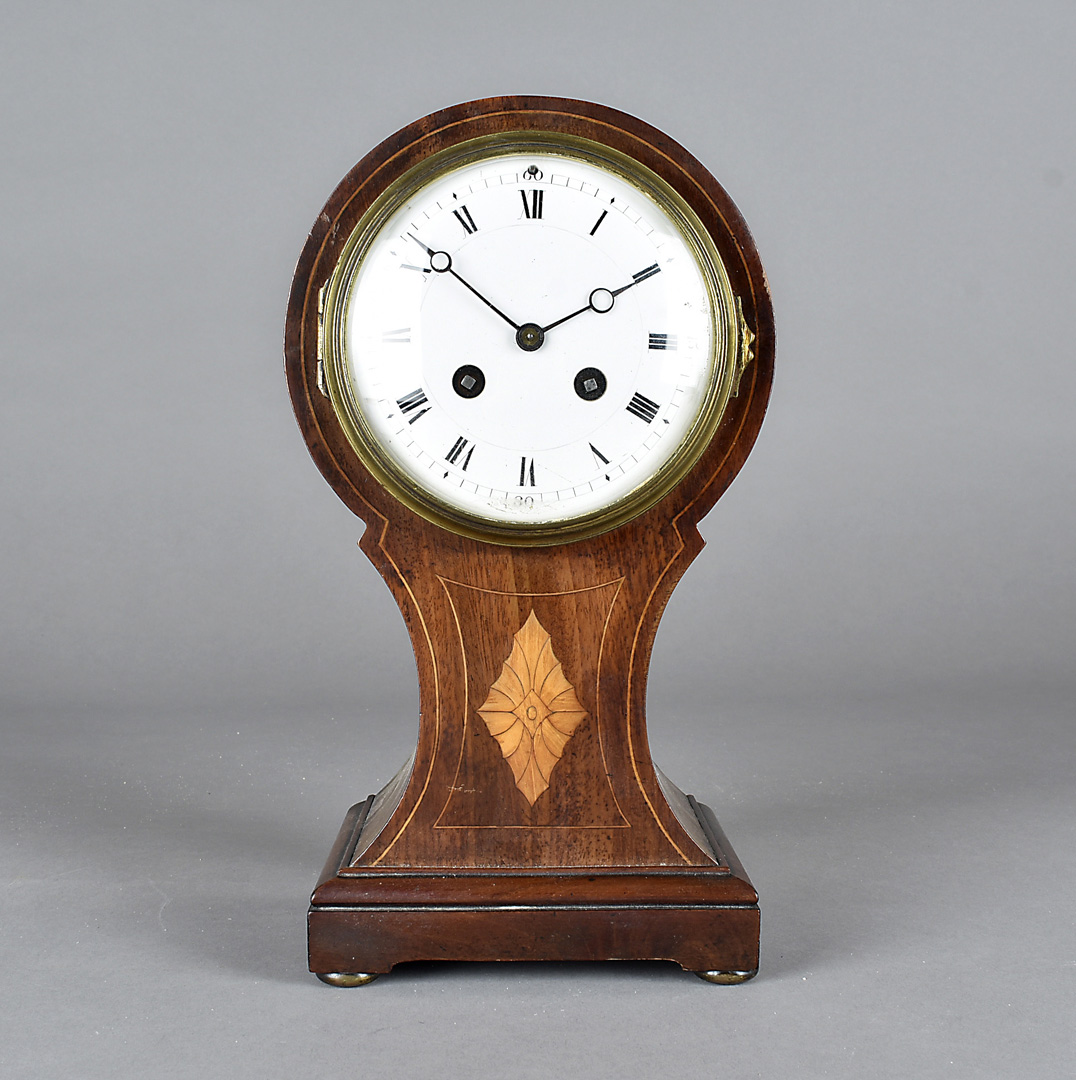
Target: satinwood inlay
<point>532,710</point>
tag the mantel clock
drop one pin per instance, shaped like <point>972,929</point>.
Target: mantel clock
<point>530,344</point>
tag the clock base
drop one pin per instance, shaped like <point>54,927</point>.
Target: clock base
<point>364,920</point>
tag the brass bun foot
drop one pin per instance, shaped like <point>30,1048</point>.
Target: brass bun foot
<point>726,978</point>
<point>341,978</point>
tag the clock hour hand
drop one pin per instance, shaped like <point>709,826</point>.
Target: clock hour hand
<point>601,300</point>
<point>441,263</point>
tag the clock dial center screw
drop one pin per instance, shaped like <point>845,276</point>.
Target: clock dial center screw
<point>530,336</point>
<point>441,262</point>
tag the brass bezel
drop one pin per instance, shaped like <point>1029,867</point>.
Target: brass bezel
<point>333,302</point>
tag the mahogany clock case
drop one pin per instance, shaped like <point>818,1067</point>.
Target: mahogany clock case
<point>461,859</point>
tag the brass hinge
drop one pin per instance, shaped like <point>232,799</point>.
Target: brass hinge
<point>747,354</point>
<point>321,343</point>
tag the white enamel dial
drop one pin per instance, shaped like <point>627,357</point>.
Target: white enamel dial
<point>530,338</point>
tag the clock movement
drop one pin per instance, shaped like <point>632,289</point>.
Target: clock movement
<point>529,343</point>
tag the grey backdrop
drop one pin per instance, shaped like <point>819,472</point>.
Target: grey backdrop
<point>868,673</point>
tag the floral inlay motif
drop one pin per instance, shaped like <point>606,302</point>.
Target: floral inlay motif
<point>532,710</point>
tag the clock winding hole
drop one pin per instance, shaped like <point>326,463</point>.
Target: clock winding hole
<point>468,381</point>
<point>590,384</point>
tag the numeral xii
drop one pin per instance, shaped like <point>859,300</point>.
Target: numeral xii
<point>532,207</point>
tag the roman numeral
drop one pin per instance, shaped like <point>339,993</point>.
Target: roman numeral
<point>663,341</point>
<point>397,337</point>
<point>457,449</point>
<point>533,208</point>
<point>599,458</point>
<point>463,216</point>
<point>601,218</point>
<point>642,407</point>
<point>526,472</point>
<point>650,271</point>
<point>410,402</point>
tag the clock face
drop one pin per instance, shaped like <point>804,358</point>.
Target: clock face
<point>529,340</point>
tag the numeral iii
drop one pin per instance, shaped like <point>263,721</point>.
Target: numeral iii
<point>663,341</point>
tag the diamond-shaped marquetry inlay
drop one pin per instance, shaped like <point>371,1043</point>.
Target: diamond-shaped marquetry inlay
<point>532,710</point>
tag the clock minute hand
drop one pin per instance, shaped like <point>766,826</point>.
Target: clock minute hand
<point>441,263</point>
<point>601,300</point>
<point>493,307</point>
